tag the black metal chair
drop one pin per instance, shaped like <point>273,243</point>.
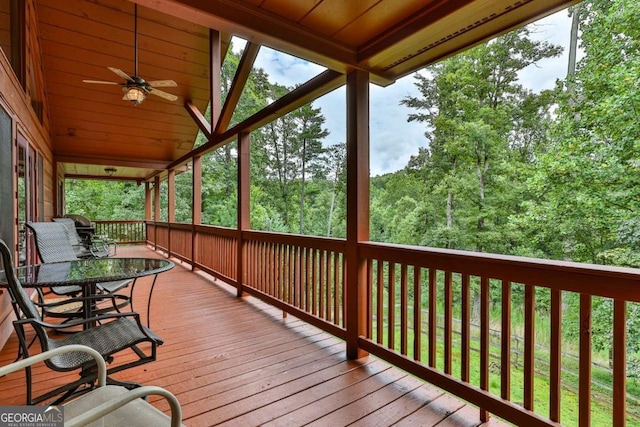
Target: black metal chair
<point>112,334</point>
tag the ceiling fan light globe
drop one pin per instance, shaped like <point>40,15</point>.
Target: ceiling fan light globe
<point>135,95</point>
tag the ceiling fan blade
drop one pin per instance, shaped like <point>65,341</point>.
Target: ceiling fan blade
<point>100,82</point>
<point>162,83</point>
<point>121,74</point>
<point>162,94</point>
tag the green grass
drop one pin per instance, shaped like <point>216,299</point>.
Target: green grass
<point>601,413</point>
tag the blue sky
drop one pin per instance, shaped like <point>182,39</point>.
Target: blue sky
<point>393,139</point>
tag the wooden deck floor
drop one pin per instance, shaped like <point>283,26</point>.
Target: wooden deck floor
<point>238,362</point>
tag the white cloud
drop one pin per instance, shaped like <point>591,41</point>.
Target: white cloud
<point>284,69</point>
<point>393,139</point>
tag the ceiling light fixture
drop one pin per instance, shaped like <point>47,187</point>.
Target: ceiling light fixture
<point>134,95</point>
<point>110,171</point>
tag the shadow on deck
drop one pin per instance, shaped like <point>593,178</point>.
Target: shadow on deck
<point>239,362</point>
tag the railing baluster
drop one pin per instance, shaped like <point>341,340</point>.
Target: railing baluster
<point>268,268</point>
<point>404,302</point>
<point>505,342</point>
<point>314,278</point>
<point>584,398</point>
<point>343,290</point>
<point>277,270</point>
<point>291,293</point>
<point>391,309</point>
<point>264,268</point>
<point>262,273</point>
<point>555,364</point>
<point>448,321</point>
<point>311,277</point>
<point>295,275</point>
<point>327,314</point>
<point>619,362</point>
<point>433,327</point>
<point>369,306</point>
<point>484,340</point>
<point>380,303</point>
<point>300,271</point>
<point>529,344</point>
<point>465,362</point>
<point>417,314</point>
<point>337,271</point>
<point>322,279</point>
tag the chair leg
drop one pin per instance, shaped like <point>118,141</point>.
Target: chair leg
<point>23,351</point>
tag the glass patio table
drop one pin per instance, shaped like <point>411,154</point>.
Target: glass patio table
<point>86,273</point>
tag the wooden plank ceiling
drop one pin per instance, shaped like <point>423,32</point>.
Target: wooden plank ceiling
<point>92,125</point>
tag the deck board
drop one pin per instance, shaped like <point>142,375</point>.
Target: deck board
<point>239,362</point>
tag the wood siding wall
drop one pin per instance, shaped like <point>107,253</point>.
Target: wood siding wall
<point>18,103</point>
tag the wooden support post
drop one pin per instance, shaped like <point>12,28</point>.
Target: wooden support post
<point>215,67</point>
<point>196,207</point>
<point>156,199</point>
<point>171,205</point>
<point>244,185</point>
<point>156,209</point>
<point>147,201</point>
<point>357,207</point>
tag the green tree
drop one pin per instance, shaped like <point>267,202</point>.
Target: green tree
<point>287,150</point>
<point>478,139</point>
<point>587,180</point>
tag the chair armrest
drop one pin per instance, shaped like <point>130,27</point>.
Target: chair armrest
<point>21,364</point>
<point>110,405</point>
<point>94,297</point>
<point>78,322</point>
<point>124,398</point>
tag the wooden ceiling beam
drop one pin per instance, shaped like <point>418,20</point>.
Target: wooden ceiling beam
<point>103,178</point>
<point>216,59</point>
<point>198,118</point>
<point>140,163</point>
<point>237,86</point>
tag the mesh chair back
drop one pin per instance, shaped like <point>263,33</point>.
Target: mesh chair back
<point>16,290</point>
<point>74,237</point>
<point>52,241</point>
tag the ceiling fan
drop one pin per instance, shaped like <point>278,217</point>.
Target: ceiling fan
<point>136,88</point>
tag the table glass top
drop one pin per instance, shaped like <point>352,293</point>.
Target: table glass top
<point>89,271</point>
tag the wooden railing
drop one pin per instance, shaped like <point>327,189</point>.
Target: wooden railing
<point>216,250</point>
<point>124,232</point>
<point>303,275</point>
<point>408,289</point>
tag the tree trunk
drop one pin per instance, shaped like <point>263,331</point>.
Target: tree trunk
<point>573,41</point>
<point>449,216</point>
<point>573,48</point>
<point>482,168</point>
<point>475,308</point>
<point>331,207</point>
<point>304,164</point>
